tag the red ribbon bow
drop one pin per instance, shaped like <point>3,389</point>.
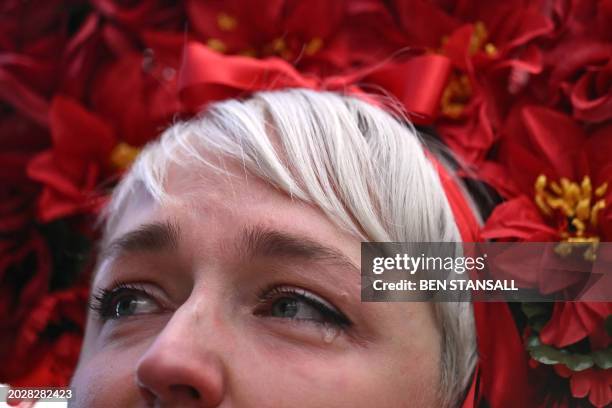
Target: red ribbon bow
<point>207,76</point>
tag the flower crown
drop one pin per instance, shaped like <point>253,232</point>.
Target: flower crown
<point>519,91</point>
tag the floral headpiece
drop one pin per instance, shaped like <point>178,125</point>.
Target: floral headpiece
<point>519,91</point>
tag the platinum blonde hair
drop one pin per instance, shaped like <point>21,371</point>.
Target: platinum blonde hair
<point>365,168</point>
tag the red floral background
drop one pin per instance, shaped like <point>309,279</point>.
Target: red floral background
<point>521,91</point>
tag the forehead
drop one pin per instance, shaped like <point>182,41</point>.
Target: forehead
<point>210,208</point>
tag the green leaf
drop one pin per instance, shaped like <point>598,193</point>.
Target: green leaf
<point>547,355</point>
<point>538,323</point>
<point>533,341</point>
<point>578,362</point>
<point>603,358</point>
<point>533,309</point>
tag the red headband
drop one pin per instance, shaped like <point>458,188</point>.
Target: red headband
<point>418,82</point>
<point>501,375</point>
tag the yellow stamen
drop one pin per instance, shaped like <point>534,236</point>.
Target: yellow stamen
<point>583,209</point>
<point>279,45</point>
<point>123,155</point>
<point>216,45</point>
<point>456,96</point>
<point>541,203</point>
<point>597,207</point>
<point>601,190</point>
<point>313,46</point>
<point>556,188</point>
<point>587,187</point>
<point>250,52</point>
<point>226,22</point>
<point>478,41</point>
<point>572,201</point>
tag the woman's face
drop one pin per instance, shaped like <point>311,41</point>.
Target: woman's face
<point>234,295</point>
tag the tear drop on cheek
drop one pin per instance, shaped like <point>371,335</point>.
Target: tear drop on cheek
<point>330,333</point>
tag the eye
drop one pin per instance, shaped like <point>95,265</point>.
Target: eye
<point>122,301</point>
<point>299,304</point>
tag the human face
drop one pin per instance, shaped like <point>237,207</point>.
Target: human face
<point>234,295</point>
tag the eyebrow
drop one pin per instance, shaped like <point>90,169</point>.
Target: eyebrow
<point>264,242</point>
<point>253,242</point>
<point>151,237</point>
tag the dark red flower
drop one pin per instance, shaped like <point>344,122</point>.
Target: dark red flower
<point>322,37</point>
<point>283,28</point>
<point>31,33</point>
<point>47,344</point>
<point>137,94</point>
<point>25,260</point>
<point>73,168</point>
<point>573,321</point>
<point>142,15</point>
<point>592,382</point>
<point>491,47</point>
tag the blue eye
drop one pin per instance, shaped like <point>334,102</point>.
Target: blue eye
<point>295,309</point>
<point>298,304</point>
<point>123,301</point>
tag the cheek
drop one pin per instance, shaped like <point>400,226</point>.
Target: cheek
<point>106,380</point>
<point>358,377</point>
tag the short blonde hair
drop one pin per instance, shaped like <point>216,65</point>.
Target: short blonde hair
<point>365,168</point>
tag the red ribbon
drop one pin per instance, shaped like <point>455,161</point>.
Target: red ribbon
<point>207,76</point>
<point>501,377</point>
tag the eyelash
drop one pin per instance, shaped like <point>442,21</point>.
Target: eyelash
<point>102,301</point>
<point>269,295</point>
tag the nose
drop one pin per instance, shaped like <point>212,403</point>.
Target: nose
<point>179,369</point>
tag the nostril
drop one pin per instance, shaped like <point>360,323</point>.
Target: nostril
<point>181,391</point>
<point>148,396</point>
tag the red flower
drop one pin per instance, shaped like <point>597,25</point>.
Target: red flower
<point>581,61</point>
<point>573,321</point>
<point>71,170</point>
<point>137,93</point>
<point>544,146</point>
<point>592,382</point>
<point>31,34</point>
<point>139,15</point>
<point>322,37</point>
<point>41,357</point>
<point>25,261</point>
<point>491,47</point>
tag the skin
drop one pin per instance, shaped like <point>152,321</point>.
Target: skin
<point>208,332</point>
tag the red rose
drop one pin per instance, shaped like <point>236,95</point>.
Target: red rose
<point>580,61</point>
<point>584,77</point>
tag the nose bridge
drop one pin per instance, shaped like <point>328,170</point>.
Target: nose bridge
<point>186,363</point>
